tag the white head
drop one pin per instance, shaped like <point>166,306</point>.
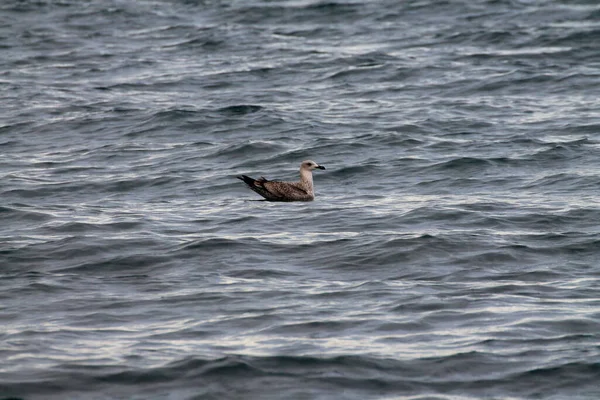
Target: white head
<point>310,165</point>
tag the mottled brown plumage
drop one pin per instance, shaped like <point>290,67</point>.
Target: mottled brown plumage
<point>286,191</point>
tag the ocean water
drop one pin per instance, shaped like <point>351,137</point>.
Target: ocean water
<point>452,251</point>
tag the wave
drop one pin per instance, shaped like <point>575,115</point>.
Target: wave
<point>462,164</point>
<point>241,109</point>
<point>20,215</point>
<point>469,374</point>
<point>248,149</point>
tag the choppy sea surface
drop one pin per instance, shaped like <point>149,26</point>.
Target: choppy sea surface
<point>452,250</point>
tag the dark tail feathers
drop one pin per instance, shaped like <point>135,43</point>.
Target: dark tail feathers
<point>247,180</point>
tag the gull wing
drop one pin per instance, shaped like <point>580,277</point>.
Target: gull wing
<point>287,191</point>
<point>277,190</point>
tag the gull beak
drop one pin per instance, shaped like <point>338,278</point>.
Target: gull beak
<point>321,167</point>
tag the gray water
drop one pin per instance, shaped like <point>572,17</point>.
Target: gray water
<point>452,250</point>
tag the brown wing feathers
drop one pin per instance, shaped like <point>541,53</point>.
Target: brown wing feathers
<point>258,185</point>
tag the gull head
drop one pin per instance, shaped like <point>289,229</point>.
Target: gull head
<point>310,165</point>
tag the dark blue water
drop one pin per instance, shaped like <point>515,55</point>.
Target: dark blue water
<point>452,250</point>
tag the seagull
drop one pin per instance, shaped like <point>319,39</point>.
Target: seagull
<point>286,191</point>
